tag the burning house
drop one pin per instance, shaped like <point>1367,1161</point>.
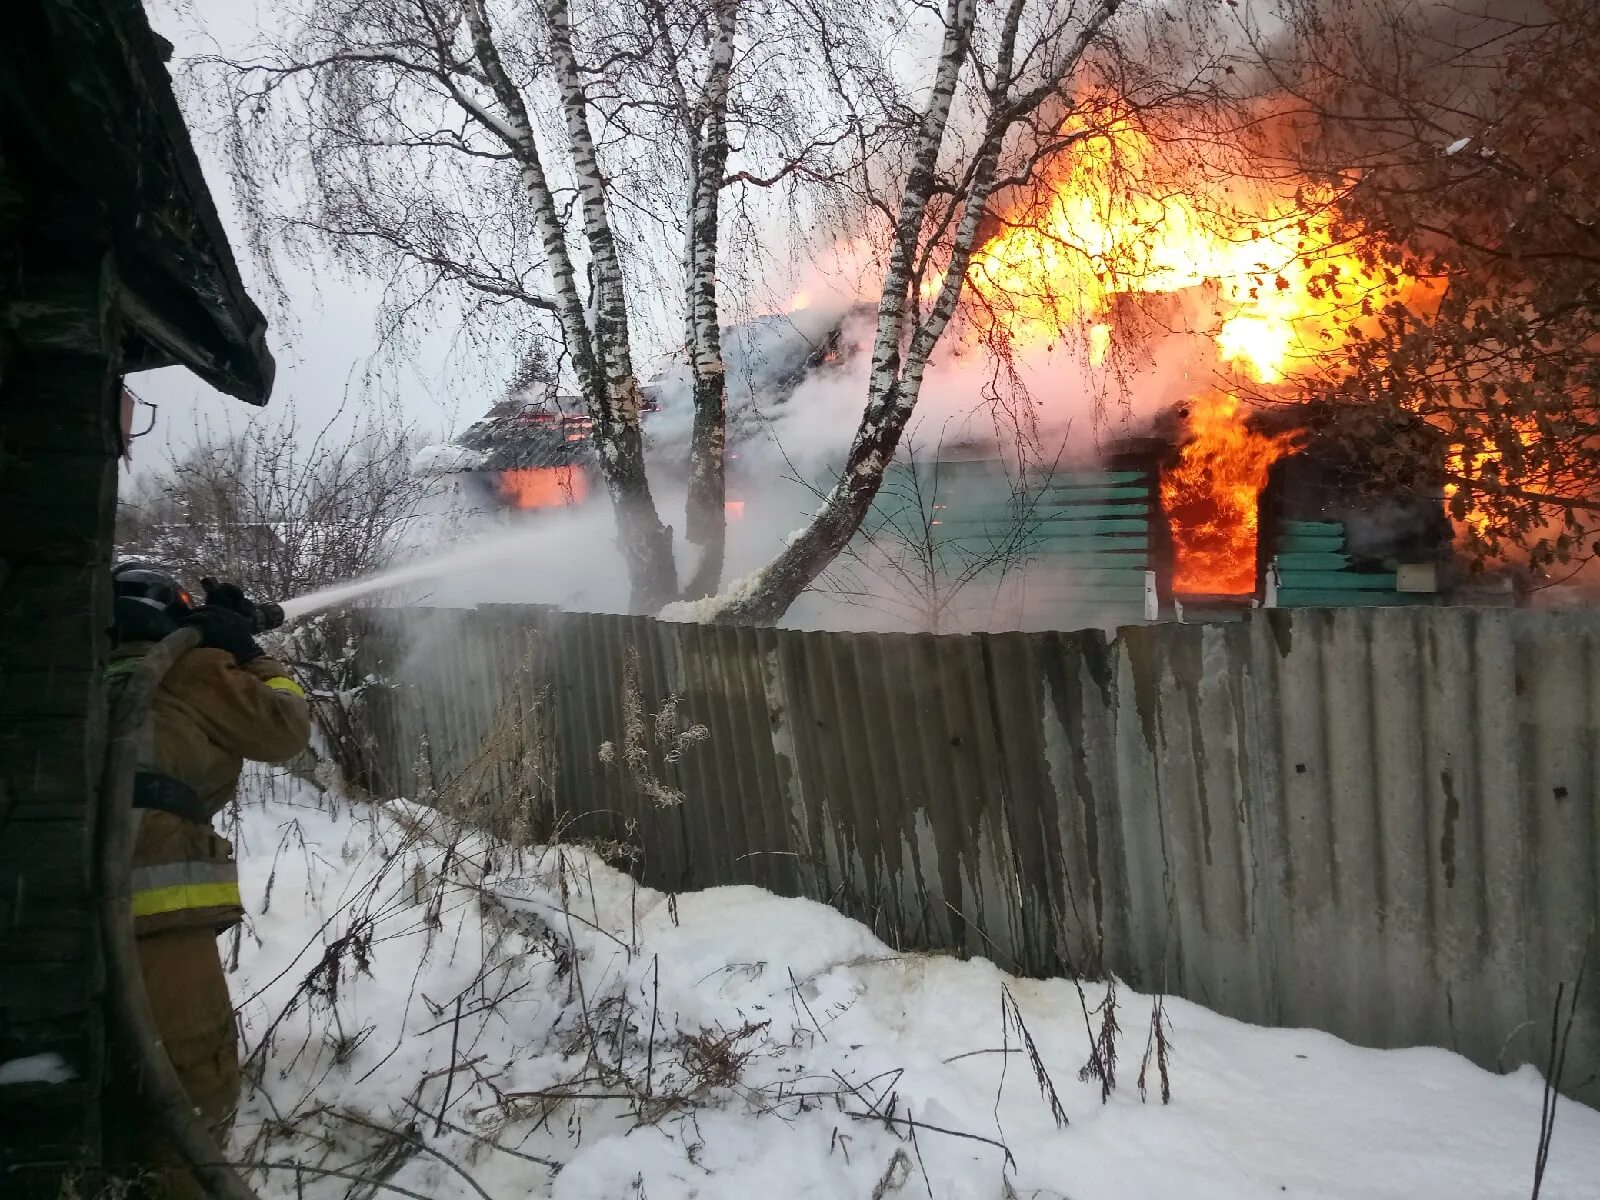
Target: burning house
<point>522,456</point>
<point>1203,518</point>
<point>1209,509</point>
<point>1208,512</point>
<point>1221,488</point>
<point>533,451</point>
<point>1217,490</point>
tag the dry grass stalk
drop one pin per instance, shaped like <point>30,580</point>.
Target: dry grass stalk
<point>1102,1064</point>
<point>644,742</point>
<point>1011,1016</point>
<point>1157,1049</point>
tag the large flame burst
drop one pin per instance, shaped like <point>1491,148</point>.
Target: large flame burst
<point>1210,494</point>
<point>1268,275</point>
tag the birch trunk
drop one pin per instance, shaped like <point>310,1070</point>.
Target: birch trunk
<point>646,543</point>
<point>601,358</point>
<point>896,374</point>
<point>706,507</point>
<point>878,435</point>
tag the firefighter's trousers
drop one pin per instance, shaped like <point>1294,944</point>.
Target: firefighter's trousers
<point>194,1014</point>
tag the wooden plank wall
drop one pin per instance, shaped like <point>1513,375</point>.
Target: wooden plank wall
<point>1058,548</point>
<point>1314,571</point>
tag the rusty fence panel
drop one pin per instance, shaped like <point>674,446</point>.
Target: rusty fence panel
<point>1384,823</point>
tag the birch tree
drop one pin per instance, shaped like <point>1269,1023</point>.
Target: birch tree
<point>519,154</point>
<point>1013,87</point>
<point>704,122</point>
<point>530,153</point>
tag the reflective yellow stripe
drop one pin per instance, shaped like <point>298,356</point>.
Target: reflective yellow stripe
<point>165,875</point>
<point>186,895</point>
<point>282,683</point>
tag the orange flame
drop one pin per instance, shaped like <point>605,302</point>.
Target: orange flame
<point>1461,461</point>
<point>543,487</point>
<point>1478,463</point>
<point>1210,498</point>
<point>1285,282</point>
<point>1273,287</point>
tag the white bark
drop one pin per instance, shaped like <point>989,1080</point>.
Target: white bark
<point>611,301</point>
<point>707,131</point>
<point>601,352</point>
<point>516,130</point>
<point>899,363</point>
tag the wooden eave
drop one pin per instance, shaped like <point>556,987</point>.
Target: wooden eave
<point>94,153</point>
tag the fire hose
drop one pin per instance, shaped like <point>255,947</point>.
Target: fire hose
<point>133,1022</point>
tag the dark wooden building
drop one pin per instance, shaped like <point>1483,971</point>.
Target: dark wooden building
<point>112,260</point>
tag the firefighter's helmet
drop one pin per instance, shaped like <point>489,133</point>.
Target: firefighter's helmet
<point>151,587</point>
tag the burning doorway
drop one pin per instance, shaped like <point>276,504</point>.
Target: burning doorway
<point>543,487</point>
<point>1210,495</point>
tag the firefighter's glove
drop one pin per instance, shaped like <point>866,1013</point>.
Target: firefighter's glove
<point>223,629</point>
<point>262,614</point>
<point>229,596</point>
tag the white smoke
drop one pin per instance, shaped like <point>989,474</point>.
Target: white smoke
<point>1043,407</point>
<point>1048,407</point>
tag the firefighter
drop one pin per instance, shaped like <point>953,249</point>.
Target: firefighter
<point>221,703</point>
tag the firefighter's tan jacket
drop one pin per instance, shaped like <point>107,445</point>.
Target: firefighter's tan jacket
<point>209,715</point>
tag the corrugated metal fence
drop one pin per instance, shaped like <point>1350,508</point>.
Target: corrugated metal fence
<point>1384,823</point>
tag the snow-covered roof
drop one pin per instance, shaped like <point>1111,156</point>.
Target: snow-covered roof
<point>514,434</point>
<point>766,358</point>
<point>444,459</point>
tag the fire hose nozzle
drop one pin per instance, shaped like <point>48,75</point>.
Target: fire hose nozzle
<point>267,616</point>
<point>263,614</point>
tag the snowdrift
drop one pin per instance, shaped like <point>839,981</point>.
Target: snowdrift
<point>431,1015</point>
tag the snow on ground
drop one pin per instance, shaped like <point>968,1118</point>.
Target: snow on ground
<point>456,1020</point>
<point>36,1068</point>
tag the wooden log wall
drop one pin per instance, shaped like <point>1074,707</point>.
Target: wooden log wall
<point>58,462</point>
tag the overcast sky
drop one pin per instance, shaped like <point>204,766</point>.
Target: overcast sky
<point>321,331</point>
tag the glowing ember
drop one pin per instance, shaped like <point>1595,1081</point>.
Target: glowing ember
<point>1478,465</point>
<point>1210,499</point>
<point>543,487</point>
